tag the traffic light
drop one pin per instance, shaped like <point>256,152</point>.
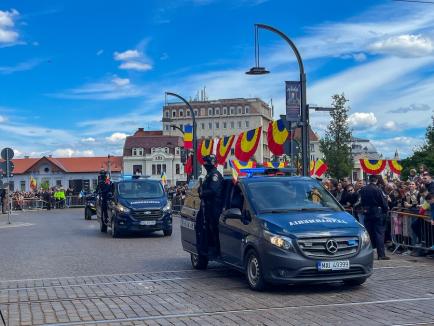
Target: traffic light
<point>184,154</point>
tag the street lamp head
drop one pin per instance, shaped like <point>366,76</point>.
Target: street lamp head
<point>257,71</point>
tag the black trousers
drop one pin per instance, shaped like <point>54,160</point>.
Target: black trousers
<point>375,226</point>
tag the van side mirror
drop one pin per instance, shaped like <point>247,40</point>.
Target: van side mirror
<point>234,213</point>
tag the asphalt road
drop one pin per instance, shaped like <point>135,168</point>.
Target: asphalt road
<point>58,269</point>
<point>63,243</point>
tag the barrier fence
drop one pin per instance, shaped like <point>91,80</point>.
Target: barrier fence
<point>37,203</point>
<point>177,203</point>
<point>411,230</point>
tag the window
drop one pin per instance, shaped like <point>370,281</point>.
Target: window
<point>210,125</point>
<point>312,147</point>
<point>159,169</point>
<point>312,158</point>
<point>137,151</point>
<point>174,113</point>
<point>134,152</point>
<point>94,184</point>
<point>11,186</point>
<point>217,111</point>
<point>225,110</point>
<point>196,113</point>
<point>181,113</point>
<point>58,183</point>
<point>217,125</point>
<point>232,124</point>
<point>247,109</point>
<point>239,109</point>
<point>137,169</point>
<point>166,127</point>
<point>166,150</point>
<point>177,150</point>
<point>232,151</point>
<point>188,113</point>
<point>23,185</point>
<point>154,169</point>
<point>224,125</point>
<point>164,168</point>
<point>203,125</point>
<point>177,169</point>
<point>247,124</point>
<point>167,114</point>
<point>239,124</point>
<point>202,111</point>
<point>232,110</point>
<point>210,111</point>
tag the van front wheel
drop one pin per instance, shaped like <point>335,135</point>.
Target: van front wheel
<point>254,271</point>
<point>199,261</point>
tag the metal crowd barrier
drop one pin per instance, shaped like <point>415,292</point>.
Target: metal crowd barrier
<point>177,203</point>
<point>28,204</point>
<point>75,201</point>
<point>411,230</point>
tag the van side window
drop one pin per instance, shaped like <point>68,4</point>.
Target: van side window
<point>237,198</point>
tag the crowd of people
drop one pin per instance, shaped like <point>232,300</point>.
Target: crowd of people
<point>406,202</point>
<point>177,195</point>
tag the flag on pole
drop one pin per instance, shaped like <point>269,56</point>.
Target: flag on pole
<point>188,136</point>
<point>276,136</point>
<point>237,165</point>
<point>275,165</point>
<point>33,183</point>
<point>320,168</point>
<point>247,143</point>
<point>163,178</point>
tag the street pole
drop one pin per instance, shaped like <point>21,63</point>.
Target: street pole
<point>195,165</point>
<point>304,111</point>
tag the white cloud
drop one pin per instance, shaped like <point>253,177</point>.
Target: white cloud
<point>88,140</point>
<point>69,152</point>
<point>117,137</point>
<point>120,81</point>
<point>404,145</point>
<point>406,45</point>
<point>134,65</point>
<point>7,24</point>
<point>390,125</point>
<point>2,119</point>
<point>22,66</point>
<point>412,108</point>
<point>127,55</point>
<point>360,120</point>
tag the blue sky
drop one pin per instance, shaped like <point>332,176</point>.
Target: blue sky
<point>78,76</point>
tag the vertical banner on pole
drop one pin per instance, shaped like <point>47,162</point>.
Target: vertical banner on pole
<point>293,100</point>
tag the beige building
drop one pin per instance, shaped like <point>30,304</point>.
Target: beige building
<point>224,117</point>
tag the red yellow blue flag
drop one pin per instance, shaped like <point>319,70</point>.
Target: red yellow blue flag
<point>372,166</point>
<point>224,146</point>
<point>238,165</point>
<point>204,149</point>
<point>276,136</point>
<point>275,165</point>
<point>395,166</point>
<point>247,143</point>
<point>188,136</point>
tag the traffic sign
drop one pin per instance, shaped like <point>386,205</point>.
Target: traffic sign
<point>7,167</point>
<point>7,153</point>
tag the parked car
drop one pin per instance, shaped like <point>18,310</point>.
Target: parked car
<point>136,205</point>
<point>281,229</point>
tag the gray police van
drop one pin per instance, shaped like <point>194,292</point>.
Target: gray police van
<point>280,229</point>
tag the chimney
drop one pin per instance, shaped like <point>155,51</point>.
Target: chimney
<point>50,156</point>
<point>26,156</point>
<point>141,129</point>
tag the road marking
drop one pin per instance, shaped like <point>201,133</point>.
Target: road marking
<point>15,225</point>
<point>199,314</point>
<point>429,322</point>
<point>402,266</point>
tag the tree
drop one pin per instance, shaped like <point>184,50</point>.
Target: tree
<point>336,144</point>
<point>422,155</point>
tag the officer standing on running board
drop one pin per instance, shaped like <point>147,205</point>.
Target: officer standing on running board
<point>211,195</point>
<point>375,208</point>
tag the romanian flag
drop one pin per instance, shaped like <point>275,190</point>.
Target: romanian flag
<point>372,166</point>
<point>238,165</point>
<point>188,166</point>
<point>275,165</point>
<point>276,136</point>
<point>247,143</point>
<point>163,179</point>
<point>188,136</point>
<point>224,146</point>
<point>320,168</point>
<point>395,166</point>
<point>33,183</point>
<point>204,149</point>
<point>312,168</point>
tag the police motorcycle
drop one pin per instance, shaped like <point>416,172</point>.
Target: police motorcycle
<point>134,204</point>
<point>279,228</point>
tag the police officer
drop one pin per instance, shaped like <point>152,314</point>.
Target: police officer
<point>211,195</point>
<point>374,208</point>
<point>103,189</point>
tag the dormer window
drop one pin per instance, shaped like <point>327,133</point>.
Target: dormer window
<point>177,150</point>
<point>137,151</point>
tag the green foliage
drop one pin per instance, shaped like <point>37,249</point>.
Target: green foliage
<point>336,143</point>
<point>45,185</point>
<point>423,155</point>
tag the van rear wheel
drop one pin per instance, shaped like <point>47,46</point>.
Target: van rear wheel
<point>199,261</point>
<point>254,271</point>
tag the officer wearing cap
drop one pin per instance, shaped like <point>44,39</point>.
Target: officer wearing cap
<point>103,189</point>
<point>374,207</point>
<point>211,195</point>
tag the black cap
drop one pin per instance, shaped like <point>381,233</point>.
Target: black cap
<point>209,160</point>
<point>373,178</point>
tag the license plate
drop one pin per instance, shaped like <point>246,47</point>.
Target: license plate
<point>334,265</point>
<point>147,222</point>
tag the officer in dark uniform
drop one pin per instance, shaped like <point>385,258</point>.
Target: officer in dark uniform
<point>375,208</point>
<point>211,195</point>
<point>103,189</point>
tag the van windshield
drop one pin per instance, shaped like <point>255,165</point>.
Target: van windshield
<point>140,189</point>
<point>280,195</point>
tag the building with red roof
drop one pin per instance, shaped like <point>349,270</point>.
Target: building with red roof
<point>76,173</point>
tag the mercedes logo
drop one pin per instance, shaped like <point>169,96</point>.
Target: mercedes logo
<point>147,213</point>
<point>331,246</point>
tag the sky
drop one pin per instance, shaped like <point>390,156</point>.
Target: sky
<point>78,76</point>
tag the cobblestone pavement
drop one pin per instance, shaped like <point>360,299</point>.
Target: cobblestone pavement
<point>400,292</point>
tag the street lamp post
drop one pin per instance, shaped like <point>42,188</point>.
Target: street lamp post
<point>257,70</point>
<point>195,166</point>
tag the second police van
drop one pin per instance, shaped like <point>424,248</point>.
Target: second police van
<point>281,229</point>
